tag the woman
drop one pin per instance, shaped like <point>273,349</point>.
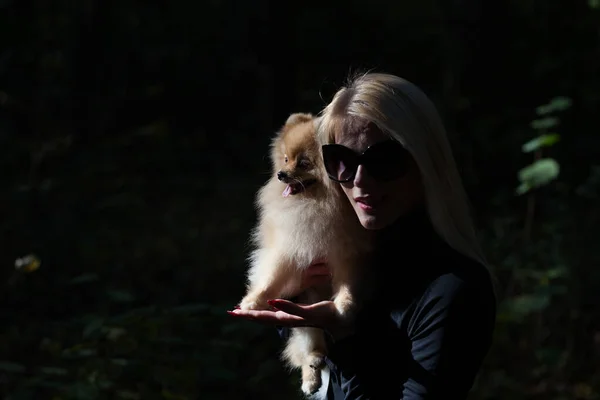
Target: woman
<point>427,326</point>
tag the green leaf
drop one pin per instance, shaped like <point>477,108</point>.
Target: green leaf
<point>557,272</point>
<point>82,391</point>
<point>115,333</point>
<point>544,123</point>
<point>78,352</point>
<point>522,188</point>
<point>43,382</point>
<point>53,371</point>
<point>549,355</point>
<point>540,141</point>
<point>125,394</point>
<point>559,103</point>
<point>120,361</point>
<point>537,174</point>
<point>528,303</point>
<point>551,290</point>
<point>85,278</point>
<point>543,110</point>
<point>92,327</point>
<point>120,296</point>
<point>104,384</point>
<point>11,367</point>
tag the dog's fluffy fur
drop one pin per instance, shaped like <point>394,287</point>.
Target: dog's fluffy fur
<point>303,217</point>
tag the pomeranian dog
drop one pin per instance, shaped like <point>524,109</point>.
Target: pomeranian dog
<point>303,217</point>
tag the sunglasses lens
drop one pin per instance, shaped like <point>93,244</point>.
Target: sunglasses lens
<point>384,161</point>
<point>340,162</point>
<point>387,161</point>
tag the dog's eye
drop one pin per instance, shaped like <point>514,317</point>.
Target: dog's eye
<point>304,163</point>
<point>285,159</point>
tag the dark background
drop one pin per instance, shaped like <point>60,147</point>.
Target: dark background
<point>134,135</point>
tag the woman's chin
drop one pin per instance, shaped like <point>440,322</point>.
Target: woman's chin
<point>371,222</point>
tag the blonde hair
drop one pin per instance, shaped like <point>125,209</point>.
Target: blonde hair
<point>404,112</point>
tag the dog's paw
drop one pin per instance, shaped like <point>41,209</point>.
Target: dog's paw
<point>253,303</point>
<point>312,385</point>
<point>311,373</point>
<point>343,306</point>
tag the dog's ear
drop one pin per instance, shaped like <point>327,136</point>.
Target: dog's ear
<point>298,118</point>
<point>293,120</point>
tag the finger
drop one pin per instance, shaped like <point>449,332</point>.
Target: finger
<point>290,308</point>
<point>272,317</point>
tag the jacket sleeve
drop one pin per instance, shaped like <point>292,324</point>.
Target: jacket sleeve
<point>449,333</point>
<point>283,331</point>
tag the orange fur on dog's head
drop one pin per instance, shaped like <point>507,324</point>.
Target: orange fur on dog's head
<point>296,154</point>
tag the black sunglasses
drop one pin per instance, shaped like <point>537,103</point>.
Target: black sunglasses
<point>385,161</point>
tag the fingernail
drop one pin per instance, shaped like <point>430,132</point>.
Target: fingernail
<point>231,312</point>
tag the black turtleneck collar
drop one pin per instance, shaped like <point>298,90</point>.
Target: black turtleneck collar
<point>408,255</point>
<point>408,252</point>
<point>411,231</point>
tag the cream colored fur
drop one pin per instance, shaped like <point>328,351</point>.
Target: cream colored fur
<point>295,231</point>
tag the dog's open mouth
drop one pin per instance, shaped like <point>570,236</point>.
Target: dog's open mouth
<point>297,187</point>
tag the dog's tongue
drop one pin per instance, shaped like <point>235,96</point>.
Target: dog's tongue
<point>288,190</point>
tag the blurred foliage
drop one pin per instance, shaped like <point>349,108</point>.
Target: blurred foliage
<point>133,136</point>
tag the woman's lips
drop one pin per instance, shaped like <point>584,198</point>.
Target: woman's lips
<point>366,203</point>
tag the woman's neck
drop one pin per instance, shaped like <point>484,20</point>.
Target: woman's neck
<point>413,227</point>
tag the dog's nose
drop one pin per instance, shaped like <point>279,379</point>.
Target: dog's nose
<point>281,175</point>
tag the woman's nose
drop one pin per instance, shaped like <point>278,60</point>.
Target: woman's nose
<point>362,177</point>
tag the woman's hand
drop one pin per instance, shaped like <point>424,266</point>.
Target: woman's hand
<point>286,313</point>
<point>322,315</point>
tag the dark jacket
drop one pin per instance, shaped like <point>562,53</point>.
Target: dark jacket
<point>427,327</point>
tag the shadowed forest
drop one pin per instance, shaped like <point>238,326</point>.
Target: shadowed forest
<point>134,135</point>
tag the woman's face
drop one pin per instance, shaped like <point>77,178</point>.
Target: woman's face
<point>391,189</point>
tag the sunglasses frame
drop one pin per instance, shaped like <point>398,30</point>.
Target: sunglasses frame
<point>364,156</point>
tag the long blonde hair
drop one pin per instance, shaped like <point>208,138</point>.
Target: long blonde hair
<point>403,111</point>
